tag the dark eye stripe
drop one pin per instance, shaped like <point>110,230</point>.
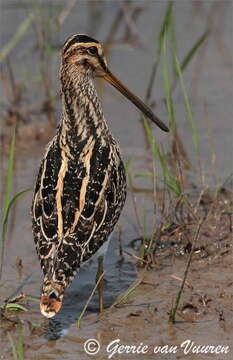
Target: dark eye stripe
<point>79,39</point>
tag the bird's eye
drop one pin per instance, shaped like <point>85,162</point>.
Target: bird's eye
<point>92,50</point>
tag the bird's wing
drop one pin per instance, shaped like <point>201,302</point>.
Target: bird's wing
<point>76,203</point>
<point>44,210</point>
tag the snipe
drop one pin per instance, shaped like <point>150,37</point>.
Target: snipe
<point>81,185</point>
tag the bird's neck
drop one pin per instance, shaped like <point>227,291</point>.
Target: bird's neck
<point>82,115</point>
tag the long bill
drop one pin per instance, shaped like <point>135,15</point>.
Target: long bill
<point>108,76</point>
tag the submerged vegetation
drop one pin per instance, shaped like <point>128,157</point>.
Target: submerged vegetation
<point>184,210</point>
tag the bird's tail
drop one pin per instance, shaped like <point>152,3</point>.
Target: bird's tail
<point>51,298</point>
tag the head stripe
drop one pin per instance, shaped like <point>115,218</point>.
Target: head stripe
<point>78,39</point>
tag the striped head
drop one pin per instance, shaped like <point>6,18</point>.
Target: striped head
<point>82,54</point>
<point>51,299</point>
<point>85,53</point>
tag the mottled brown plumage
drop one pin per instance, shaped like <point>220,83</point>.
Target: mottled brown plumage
<point>81,185</point>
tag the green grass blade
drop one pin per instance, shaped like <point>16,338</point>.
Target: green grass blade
<point>13,347</point>
<point>193,50</point>
<point>13,307</point>
<point>9,206</point>
<point>20,344</point>
<point>9,177</point>
<point>88,301</point>
<point>7,195</point>
<point>195,135</point>
<point>22,29</point>
<point>143,174</point>
<point>123,298</point>
<point>171,181</point>
<point>172,33</point>
<point>165,26</point>
<point>167,87</point>
<point>172,317</point>
<point>33,299</point>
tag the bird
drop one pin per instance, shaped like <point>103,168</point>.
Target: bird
<point>81,186</point>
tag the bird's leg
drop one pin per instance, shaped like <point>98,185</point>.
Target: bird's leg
<point>100,281</point>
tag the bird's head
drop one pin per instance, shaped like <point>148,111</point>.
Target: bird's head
<point>51,299</point>
<point>85,53</point>
<point>82,54</point>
